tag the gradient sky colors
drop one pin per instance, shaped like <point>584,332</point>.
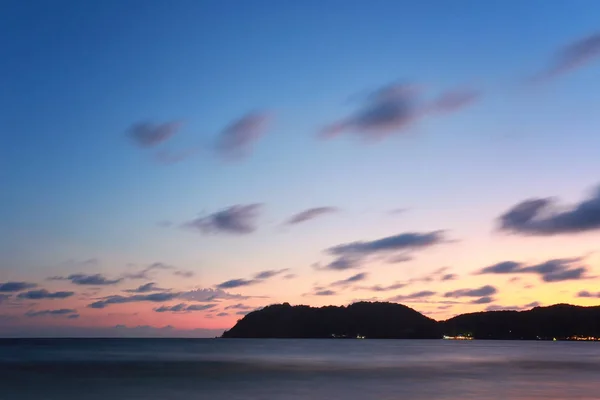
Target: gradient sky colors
<point>167,167</point>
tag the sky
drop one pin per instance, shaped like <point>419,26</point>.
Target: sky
<point>168,167</point>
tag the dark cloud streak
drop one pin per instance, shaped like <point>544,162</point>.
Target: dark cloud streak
<point>403,241</point>
<point>83,279</point>
<point>153,297</point>
<point>10,287</point>
<point>353,279</point>
<point>310,214</point>
<point>325,292</point>
<point>413,296</point>
<point>236,141</point>
<point>237,220</point>
<point>42,313</point>
<point>537,217</point>
<point>352,255</point>
<point>555,270</point>
<point>483,291</point>
<point>258,278</point>
<point>587,294</point>
<point>573,56</point>
<point>379,288</point>
<point>209,295</point>
<point>182,307</point>
<point>234,283</point>
<point>483,300</point>
<point>394,108</point>
<point>44,294</point>
<point>147,134</point>
<point>148,287</point>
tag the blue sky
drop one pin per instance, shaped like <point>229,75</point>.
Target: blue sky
<point>78,76</point>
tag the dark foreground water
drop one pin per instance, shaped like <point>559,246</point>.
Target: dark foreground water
<point>215,369</point>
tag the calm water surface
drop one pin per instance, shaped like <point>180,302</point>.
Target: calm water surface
<point>172,369</point>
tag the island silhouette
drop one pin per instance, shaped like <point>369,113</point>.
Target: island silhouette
<point>383,320</point>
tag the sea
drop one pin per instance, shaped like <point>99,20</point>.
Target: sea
<point>329,369</point>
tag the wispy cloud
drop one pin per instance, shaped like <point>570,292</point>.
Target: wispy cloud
<point>239,306</point>
<point>150,271</point>
<point>540,217</point>
<point>234,283</point>
<point>400,242</point>
<point>44,294</point>
<point>454,100</point>
<point>341,263</point>
<point>270,273</point>
<point>587,294</point>
<point>324,292</point>
<point>394,108</point>
<point>258,278</point>
<point>398,259</point>
<point>182,307</point>
<point>153,297</point>
<point>483,291</point>
<point>184,273</point>
<point>83,279</point>
<point>236,140</point>
<point>148,134</point>
<point>199,307</point>
<point>384,288</point>
<point>309,214</point>
<point>353,279</point>
<point>59,312</point>
<point>438,275</point>
<point>148,287</point>
<point>555,270</point>
<point>413,296</point>
<point>210,294</point>
<point>574,55</point>
<point>238,220</point>
<point>504,267</point>
<point>449,277</point>
<point>558,270</point>
<point>351,255</point>
<point>9,287</point>
<point>483,300</point>
<point>147,272</point>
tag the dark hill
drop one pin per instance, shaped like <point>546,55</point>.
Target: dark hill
<point>557,321</point>
<point>395,321</point>
<point>373,320</point>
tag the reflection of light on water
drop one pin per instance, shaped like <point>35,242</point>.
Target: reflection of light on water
<point>577,338</point>
<point>337,336</point>
<point>584,338</point>
<point>313,369</point>
<point>459,337</point>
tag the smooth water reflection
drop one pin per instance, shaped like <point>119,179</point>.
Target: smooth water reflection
<point>298,369</point>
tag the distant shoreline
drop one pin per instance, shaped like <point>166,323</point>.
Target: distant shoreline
<point>381,320</point>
